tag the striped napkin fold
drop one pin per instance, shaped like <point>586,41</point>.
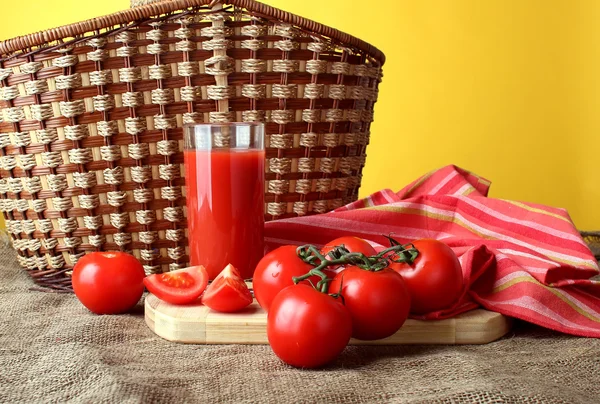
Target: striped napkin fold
<point>520,259</point>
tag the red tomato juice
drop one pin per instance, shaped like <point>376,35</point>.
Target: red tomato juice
<point>225,208</point>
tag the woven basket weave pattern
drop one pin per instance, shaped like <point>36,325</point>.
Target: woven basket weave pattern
<point>91,133</point>
<point>137,3</point>
<point>592,238</point>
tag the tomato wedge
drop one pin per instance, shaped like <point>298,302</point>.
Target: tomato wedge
<point>182,286</point>
<point>228,292</point>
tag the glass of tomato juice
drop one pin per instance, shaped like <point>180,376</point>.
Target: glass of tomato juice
<point>225,176</point>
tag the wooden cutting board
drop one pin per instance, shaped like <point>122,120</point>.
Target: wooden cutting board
<point>197,324</point>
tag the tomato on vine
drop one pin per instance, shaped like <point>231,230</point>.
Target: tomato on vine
<point>434,277</point>
<point>378,300</point>
<point>344,245</point>
<point>307,328</point>
<point>274,273</point>
<point>350,243</point>
<point>375,295</point>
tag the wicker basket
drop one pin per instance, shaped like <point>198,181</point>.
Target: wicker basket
<point>137,3</point>
<point>592,238</point>
<point>91,119</point>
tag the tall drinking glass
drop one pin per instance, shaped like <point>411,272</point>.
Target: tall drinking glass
<point>225,175</point>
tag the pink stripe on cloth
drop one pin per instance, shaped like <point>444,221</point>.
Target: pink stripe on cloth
<point>523,260</point>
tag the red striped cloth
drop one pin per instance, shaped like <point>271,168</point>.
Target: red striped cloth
<point>520,259</point>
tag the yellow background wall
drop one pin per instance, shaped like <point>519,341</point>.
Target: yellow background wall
<point>509,89</point>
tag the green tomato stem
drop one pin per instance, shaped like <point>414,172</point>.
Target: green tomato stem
<point>340,256</point>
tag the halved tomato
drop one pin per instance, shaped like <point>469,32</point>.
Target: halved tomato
<point>182,286</point>
<point>227,292</point>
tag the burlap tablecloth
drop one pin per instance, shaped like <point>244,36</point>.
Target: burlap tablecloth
<point>54,350</point>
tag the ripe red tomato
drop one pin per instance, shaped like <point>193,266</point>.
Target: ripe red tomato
<point>108,282</point>
<point>378,301</point>
<point>275,271</point>
<point>182,286</point>
<point>352,244</point>
<point>434,279</point>
<point>227,292</point>
<point>307,328</point>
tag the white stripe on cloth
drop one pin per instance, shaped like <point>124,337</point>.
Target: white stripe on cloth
<point>493,234</point>
<point>443,182</point>
<point>335,223</point>
<point>530,269</point>
<point>510,251</point>
<point>527,223</point>
<point>463,189</point>
<point>569,297</point>
<point>527,302</point>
